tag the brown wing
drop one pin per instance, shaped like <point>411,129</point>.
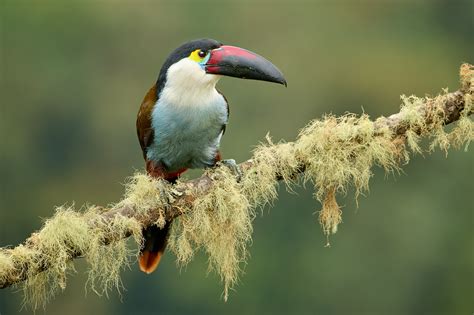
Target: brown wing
<point>155,239</point>
<point>144,129</point>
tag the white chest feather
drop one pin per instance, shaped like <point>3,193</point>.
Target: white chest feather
<point>187,124</point>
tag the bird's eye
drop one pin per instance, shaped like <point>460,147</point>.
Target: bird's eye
<point>202,53</point>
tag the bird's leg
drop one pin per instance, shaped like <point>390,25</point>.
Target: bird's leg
<point>164,195</point>
<point>234,168</point>
<point>165,201</point>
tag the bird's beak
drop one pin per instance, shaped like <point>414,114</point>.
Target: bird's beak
<point>241,63</point>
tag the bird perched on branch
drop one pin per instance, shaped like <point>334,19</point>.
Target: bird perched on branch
<point>183,117</point>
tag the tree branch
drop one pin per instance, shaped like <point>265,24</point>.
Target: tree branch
<point>448,107</point>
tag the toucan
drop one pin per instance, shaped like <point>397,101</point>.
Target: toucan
<point>183,117</point>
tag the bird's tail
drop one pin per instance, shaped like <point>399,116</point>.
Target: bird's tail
<point>153,247</point>
<point>156,238</point>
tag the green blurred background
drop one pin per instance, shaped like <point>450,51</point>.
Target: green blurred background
<point>74,73</point>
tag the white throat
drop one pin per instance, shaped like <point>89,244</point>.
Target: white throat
<point>187,84</point>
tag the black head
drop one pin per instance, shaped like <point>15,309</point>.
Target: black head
<point>183,51</point>
<point>214,58</point>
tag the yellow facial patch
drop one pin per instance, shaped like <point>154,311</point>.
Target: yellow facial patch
<point>195,56</point>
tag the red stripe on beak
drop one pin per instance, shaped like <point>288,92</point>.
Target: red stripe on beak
<point>240,63</point>
<point>225,52</point>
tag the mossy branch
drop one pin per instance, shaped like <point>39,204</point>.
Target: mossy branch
<point>215,212</point>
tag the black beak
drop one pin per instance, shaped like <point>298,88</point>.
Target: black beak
<point>240,63</point>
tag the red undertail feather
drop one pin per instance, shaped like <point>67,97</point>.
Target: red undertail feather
<point>154,247</point>
<point>149,261</point>
<point>218,157</point>
<point>157,171</point>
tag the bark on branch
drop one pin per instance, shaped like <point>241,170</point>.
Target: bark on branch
<point>452,105</point>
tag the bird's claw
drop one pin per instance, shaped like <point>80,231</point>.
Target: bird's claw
<point>166,199</point>
<point>164,195</point>
<point>234,168</point>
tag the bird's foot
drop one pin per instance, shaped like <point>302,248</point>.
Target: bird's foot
<point>234,168</point>
<point>166,199</point>
<point>164,195</point>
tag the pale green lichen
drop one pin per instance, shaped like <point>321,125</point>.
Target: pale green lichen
<point>6,264</point>
<point>220,223</point>
<point>414,114</point>
<point>70,233</point>
<point>61,237</point>
<point>339,152</point>
<point>330,215</point>
<point>259,183</point>
<point>335,153</point>
<point>141,194</point>
<point>463,132</point>
<point>466,74</point>
<point>413,141</point>
<point>106,262</point>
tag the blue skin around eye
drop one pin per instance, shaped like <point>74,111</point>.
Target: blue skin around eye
<point>203,62</point>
